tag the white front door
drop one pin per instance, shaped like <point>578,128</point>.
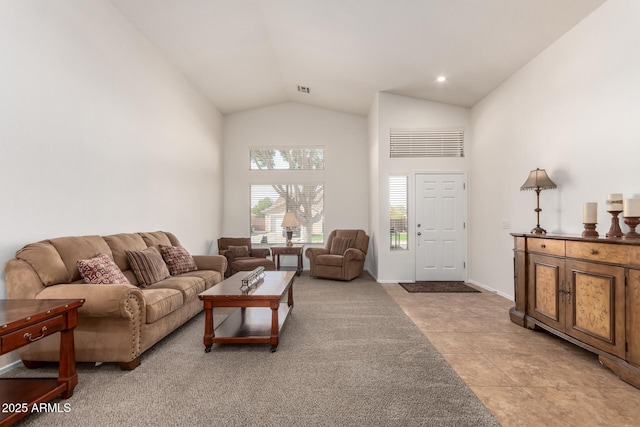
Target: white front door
<point>440,226</point>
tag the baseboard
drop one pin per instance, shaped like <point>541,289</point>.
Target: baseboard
<point>490,289</point>
<point>10,366</point>
<point>371,274</point>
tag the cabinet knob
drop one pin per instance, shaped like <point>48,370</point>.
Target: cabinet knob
<point>543,246</point>
<point>593,252</point>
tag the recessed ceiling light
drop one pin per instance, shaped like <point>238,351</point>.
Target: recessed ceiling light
<point>441,79</point>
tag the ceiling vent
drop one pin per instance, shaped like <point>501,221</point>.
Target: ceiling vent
<point>303,89</point>
<point>426,143</point>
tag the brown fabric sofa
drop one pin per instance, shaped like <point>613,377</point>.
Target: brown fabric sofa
<point>118,322</point>
<point>254,257</point>
<point>343,256</point>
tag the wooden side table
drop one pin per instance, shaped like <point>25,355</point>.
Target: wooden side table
<point>296,250</point>
<point>23,322</point>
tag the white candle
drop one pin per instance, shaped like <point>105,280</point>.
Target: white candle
<point>614,202</point>
<point>631,208</point>
<point>590,213</point>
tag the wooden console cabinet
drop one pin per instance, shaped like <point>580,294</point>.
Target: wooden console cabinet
<point>585,290</point>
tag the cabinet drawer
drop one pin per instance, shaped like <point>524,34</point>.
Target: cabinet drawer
<point>634,255</point>
<point>618,254</point>
<point>31,333</point>
<point>287,251</point>
<point>546,246</point>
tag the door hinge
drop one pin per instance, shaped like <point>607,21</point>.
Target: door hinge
<point>464,185</point>
<point>464,225</point>
<point>464,264</point>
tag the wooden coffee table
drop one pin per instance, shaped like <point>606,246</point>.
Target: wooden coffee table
<point>23,322</point>
<point>261,312</point>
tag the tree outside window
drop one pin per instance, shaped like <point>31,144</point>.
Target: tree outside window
<point>269,202</point>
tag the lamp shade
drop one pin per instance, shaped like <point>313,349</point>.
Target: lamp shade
<point>289,220</point>
<point>538,178</point>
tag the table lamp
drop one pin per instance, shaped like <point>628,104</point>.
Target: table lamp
<point>289,221</point>
<point>538,180</point>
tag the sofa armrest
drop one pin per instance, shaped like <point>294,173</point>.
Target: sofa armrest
<point>119,301</point>
<point>260,252</point>
<point>212,262</point>
<point>353,254</point>
<point>311,253</point>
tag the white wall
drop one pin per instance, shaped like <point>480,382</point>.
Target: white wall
<point>344,137</point>
<point>573,111</point>
<point>374,187</point>
<point>98,133</point>
<point>395,111</point>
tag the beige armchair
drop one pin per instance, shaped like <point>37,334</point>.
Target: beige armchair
<point>343,256</point>
<point>242,257</point>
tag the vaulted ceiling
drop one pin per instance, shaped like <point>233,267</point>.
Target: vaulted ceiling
<point>244,54</point>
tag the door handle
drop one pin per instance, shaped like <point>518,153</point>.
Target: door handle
<point>419,233</point>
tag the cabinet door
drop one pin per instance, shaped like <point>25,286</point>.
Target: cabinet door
<point>632,301</point>
<point>596,305</point>
<point>520,281</point>
<point>546,301</point>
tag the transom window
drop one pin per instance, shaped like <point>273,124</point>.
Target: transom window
<point>287,158</point>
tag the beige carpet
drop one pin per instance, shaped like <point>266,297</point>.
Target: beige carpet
<point>348,356</point>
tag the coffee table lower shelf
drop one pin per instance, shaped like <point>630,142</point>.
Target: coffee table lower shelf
<point>251,325</point>
<point>20,394</point>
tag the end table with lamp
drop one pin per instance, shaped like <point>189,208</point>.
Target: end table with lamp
<point>296,250</point>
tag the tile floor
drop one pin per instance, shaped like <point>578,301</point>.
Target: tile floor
<point>525,377</point>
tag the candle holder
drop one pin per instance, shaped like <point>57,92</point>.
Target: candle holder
<point>590,230</point>
<point>614,232</point>
<point>632,222</point>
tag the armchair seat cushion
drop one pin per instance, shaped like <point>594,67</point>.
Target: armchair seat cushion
<point>332,260</point>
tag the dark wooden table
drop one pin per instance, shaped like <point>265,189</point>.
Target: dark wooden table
<point>276,251</point>
<point>23,322</point>
<point>261,312</point>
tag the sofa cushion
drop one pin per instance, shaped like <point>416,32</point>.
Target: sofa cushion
<point>100,270</point>
<point>239,251</point>
<point>340,244</point>
<point>120,243</point>
<point>161,301</point>
<point>190,286</point>
<point>156,239</point>
<point>210,277</point>
<point>178,259</point>
<point>72,249</point>
<point>46,261</point>
<point>148,266</point>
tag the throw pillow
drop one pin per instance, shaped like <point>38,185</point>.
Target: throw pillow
<point>148,266</point>
<point>178,259</point>
<point>100,270</point>
<point>239,251</point>
<point>339,245</point>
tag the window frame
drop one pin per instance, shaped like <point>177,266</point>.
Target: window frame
<point>398,198</point>
<point>270,228</point>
